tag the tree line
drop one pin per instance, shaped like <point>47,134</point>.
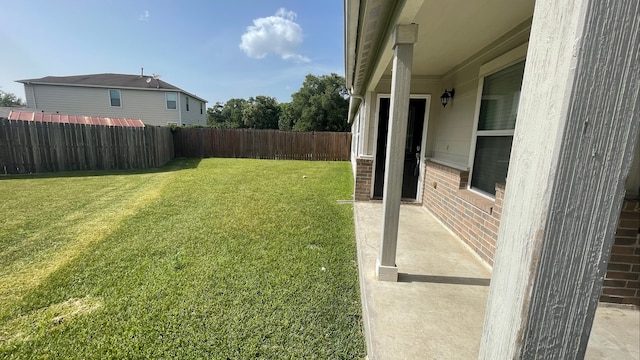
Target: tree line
<point>320,105</point>
<point>8,99</point>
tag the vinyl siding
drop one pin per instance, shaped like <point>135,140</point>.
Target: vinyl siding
<point>146,105</point>
<point>193,116</point>
<point>450,130</point>
<point>454,126</point>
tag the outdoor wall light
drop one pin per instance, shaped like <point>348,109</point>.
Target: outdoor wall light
<point>446,96</point>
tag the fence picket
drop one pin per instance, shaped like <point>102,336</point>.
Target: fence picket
<point>262,144</point>
<point>27,146</point>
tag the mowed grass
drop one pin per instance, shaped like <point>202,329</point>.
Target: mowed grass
<point>212,259</point>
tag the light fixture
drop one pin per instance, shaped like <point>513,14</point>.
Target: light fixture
<point>446,96</point>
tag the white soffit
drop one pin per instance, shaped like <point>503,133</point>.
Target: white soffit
<point>452,31</point>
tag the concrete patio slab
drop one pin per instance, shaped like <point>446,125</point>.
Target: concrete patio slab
<point>436,309</point>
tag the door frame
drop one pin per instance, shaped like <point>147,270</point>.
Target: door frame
<point>423,142</point>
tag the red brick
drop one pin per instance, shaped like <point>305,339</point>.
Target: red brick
<point>631,205</point>
<point>624,241</point>
<point>629,223</point>
<point>619,292</point>
<point>632,233</point>
<point>627,259</point>
<point>618,267</point>
<point>622,250</point>
<point>611,299</point>
<point>632,301</point>
<point>622,275</point>
<point>615,283</point>
<point>631,215</point>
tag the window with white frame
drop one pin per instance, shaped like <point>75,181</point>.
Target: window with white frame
<point>172,100</point>
<point>186,102</point>
<point>496,122</point>
<point>114,98</point>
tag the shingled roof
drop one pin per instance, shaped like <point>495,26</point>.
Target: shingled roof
<point>108,80</point>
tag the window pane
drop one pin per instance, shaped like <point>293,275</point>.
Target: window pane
<point>114,97</point>
<point>500,97</point>
<point>172,101</point>
<point>491,162</point>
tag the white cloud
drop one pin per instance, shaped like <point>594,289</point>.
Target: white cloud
<point>145,16</point>
<point>278,34</point>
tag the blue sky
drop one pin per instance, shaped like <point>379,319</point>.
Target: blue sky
<point>215,49</point>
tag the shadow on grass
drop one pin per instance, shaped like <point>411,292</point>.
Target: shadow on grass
<point>176,164</point>
<point>456,280</point>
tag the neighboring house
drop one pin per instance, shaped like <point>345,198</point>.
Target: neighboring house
<point>143,97</point>
<point>443,82</point>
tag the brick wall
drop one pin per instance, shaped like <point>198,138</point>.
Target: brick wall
<point>472,217</point>
<point>622,282</point>
<point>475,219</point>
<point>364,168</point>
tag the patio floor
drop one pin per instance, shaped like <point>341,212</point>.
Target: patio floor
<point>436,309</point>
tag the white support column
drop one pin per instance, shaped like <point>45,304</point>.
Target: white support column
<point>575,134</point>
<point>404,36</point>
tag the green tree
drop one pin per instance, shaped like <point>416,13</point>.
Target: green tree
<point>232,113</point>
<point>320,105</point>
<point>261,112</point>
<point>10,99</point>
<point>285,122</point>
<point>214,116</point>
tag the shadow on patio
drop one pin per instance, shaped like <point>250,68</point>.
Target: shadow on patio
<point>436,309</point>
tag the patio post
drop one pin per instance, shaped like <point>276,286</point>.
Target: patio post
<point>404,36</point>
<point>576,129</point>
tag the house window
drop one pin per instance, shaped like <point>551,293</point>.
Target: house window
<point>172,100</point>
<point>496,122</point>
<point>201,108</point>
<point>114,98</point>
<point>186,102</point>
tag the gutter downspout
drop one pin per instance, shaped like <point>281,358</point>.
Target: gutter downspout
<point>179,108</point>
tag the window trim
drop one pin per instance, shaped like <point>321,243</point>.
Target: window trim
<point>119,97</point>
<point>166,100</point>
<point>512,57</point>
<point>186,102</point>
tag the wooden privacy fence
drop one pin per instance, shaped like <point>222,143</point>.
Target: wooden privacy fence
<point>261,144</point>
<point>34,146</point>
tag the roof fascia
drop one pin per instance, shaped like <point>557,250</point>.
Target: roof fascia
<point>26,82</point>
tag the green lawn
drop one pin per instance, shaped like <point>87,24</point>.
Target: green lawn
<point>213,258</point>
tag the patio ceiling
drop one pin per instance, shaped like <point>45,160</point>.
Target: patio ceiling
<point>449,32</point>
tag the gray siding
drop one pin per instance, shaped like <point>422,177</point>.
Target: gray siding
<point>193,116</point>
<point>146,105</point>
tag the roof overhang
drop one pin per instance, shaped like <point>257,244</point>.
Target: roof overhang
<point>449,33</point>
<point>31,82</point>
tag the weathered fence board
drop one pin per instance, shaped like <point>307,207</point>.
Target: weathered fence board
<point>261,144</point>
<point>35,147</point>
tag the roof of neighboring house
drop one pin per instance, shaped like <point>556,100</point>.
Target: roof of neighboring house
<point>74,119</point>
<point>108,80</point>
